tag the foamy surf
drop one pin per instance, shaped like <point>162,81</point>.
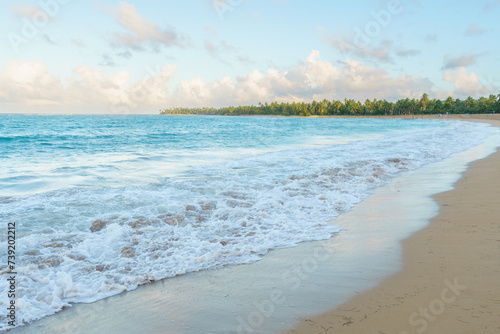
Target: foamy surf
<point>95,239</point>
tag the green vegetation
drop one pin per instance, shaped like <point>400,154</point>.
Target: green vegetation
<point>424,106</point>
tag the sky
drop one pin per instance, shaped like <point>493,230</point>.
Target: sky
<point>134,57</point>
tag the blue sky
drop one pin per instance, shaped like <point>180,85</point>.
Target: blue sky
<point>68,56</point>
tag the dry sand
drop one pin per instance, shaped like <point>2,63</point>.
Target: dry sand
<point>450,281</point>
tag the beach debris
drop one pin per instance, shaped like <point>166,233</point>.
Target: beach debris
<point>377,171</point>
<point>98,225</point>
<point>332,171</point>
<point>235,195</point>
<point>171,219</point>
<point>55,245</point>
<point>142,222</point>
<point>60,242</point>
<point>32,252</point>
<point>208,206</point>
<point>128,252</point>
<point>101,267</point>
<point>53,261</point>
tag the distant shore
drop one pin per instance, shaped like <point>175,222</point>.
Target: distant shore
<point>463,117</point>
<point>449,281</point>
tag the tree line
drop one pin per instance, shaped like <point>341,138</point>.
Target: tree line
<point>350,107</point>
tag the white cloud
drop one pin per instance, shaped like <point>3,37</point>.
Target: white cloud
<point>460,61</point>
<point>28,11</point>
<point>359,81</point>
<point>28,86</point>
<point>474,29</point>
<point>408,53</point>
<point>117,91</point>
<point>223,51</point>
<point>244,59</point>
<point>216,51</point>
<point>354,46</point>
<point>366,48</point>
<point>319,73</point>
<point>314,79</point>
<point>465,84</point>
<point>141,33</point>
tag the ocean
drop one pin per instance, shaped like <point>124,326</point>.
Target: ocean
<point>103,204</point>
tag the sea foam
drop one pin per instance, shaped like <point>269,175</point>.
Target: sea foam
<point>81,244</point>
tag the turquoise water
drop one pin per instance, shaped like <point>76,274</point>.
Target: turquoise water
<point>106,203</point>
<point>42,153</point>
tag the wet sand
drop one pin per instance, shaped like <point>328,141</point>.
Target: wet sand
<point>287,285</point>
<point>451,273</point>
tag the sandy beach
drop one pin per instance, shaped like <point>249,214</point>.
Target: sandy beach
<point>446,281</point>
<point>449,281</point>
<point>249,167</point>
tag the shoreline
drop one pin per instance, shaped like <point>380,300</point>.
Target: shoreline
<point>194,302</point>
<point>449,280</point>
<point>464,117</point>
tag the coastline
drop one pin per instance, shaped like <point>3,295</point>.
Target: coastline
<point>172,305</point>
<point>463,117</point>
<point>448,283</point>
